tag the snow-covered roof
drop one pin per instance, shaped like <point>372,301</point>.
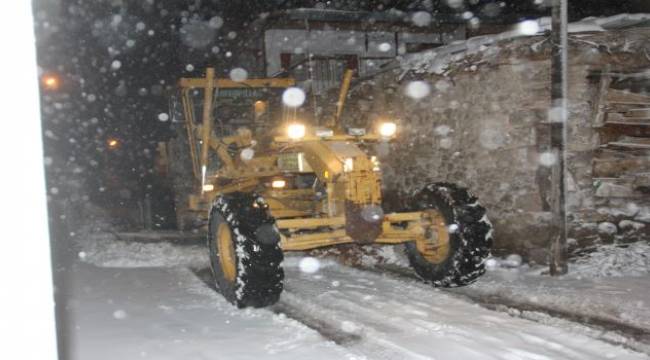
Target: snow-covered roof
<point>392,16</point>
<point>437,60</point>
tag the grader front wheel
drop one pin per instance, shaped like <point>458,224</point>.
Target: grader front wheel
<point>455,244</point>
<point>226,251</point>
<point>244,250</point>
<point>433,245</point>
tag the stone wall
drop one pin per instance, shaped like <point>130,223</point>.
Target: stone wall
<point>484,125</point>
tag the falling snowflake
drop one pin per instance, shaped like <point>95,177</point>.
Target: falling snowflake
<point>442,130</point>
<point>528,27</point>
<point>215,22</point>
<point>309,265</point>
<point>417,89</point>
<point>293,97</point>
<point>119,314</point>
<point>238,74</point>
<point>455,3</point>
<point>547,159</point>
<point>384,47</point>
<point>421,18</point>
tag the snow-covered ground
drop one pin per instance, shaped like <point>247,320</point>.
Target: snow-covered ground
<point>169,313</point>
<point>130,302</point>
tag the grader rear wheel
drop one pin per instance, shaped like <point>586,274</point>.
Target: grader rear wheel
<point>457,236</point>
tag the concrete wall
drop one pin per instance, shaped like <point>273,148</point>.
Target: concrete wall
<point>485,125</point>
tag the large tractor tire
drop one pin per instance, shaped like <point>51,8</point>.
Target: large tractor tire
<point>245,255</point>
<point>451,253</point>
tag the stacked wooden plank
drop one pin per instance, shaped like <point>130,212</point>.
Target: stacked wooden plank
<point>621,167</point>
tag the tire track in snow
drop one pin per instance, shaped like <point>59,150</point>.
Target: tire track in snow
<point>400,318</point>
<point>383,316</point>
<point>322,327</point>
<point>334,329</point>
<point>366,341</point>
<point>296,313</point>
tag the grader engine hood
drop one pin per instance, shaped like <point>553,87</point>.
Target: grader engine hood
<point>353,186</point>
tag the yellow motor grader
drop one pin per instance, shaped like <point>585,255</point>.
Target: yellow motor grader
<point>305,187</point>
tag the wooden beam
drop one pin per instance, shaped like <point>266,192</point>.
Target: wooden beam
<point>615,167</point>
<point>559,91</point>
<point>620,96</point>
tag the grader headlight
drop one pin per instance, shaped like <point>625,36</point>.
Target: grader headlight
<point>387,129</point>
<point>208,187</point>
<point>278,184</point>
<point>296,131</point>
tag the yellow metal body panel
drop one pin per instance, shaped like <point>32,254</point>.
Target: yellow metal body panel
<point>310,223</point>
<point>346,175</point>
<point>284,140</point>
<point>206,130</point>
<point>417,224</point>
<point>189,124</point>
<point>230,84</point>
<point>345,86</point>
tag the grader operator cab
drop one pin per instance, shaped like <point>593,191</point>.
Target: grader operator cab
<point>309,187</point>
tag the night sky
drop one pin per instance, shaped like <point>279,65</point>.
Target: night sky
<point>118,61</point>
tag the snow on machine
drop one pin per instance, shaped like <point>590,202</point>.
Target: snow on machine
<point>308,187</point>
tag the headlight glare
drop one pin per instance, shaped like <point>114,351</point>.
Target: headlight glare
<point>296,131</point>
<point>387,129</point>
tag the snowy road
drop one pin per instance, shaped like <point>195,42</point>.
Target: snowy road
<point>169,313</point>
<point>396,319</point>
<point>335,313</point>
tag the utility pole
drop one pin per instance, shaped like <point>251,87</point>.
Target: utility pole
<point>558,118</point>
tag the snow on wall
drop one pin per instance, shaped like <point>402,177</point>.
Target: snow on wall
<point>437,60</point>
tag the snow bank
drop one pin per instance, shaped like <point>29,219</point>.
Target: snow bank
<point>106,250</point>
<point>614,260</point>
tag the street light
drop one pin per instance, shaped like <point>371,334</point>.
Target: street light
<point>50,82</point>
<point>112,143</point>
